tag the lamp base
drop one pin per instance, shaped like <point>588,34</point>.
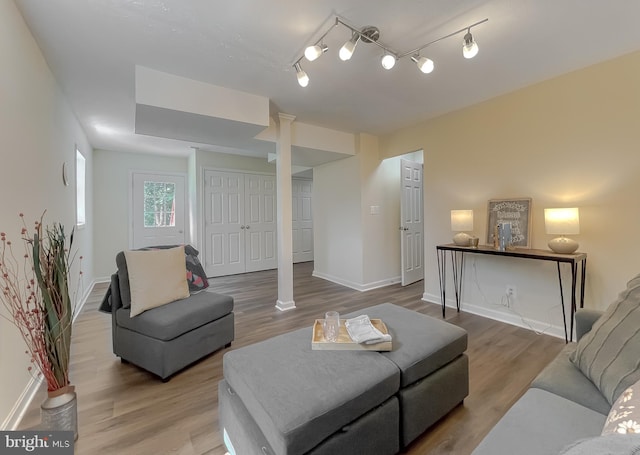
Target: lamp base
<point>563,245</point>
<point>461,239</point>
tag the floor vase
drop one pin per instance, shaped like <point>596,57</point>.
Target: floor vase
<point>60,413</point>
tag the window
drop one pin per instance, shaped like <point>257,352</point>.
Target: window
<point>159,204</point>
<point>80,189</point>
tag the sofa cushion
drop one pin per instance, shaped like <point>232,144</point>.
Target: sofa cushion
<point>427,343</point>
<point>170,321</point>
<point>540,422</point>
<point>563,378</point>
<point>299,396</point>
<point>196,277</point>
<point>608,354</point>
<point>624,417</point>
<point>156,278</point>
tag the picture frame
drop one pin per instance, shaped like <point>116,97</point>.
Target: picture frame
<point>516,211</point>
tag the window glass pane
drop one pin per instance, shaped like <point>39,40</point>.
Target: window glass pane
<point>159,204</point>
<point>80,188</point>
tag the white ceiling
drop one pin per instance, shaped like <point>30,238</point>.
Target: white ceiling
<point>92,47</point>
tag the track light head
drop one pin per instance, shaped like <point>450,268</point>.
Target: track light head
<point>470,47</point>
<point>424,64</point>
<point>388,61</point>
<point>313,52</point>
<point>346,51</point>
<point>303,79</point>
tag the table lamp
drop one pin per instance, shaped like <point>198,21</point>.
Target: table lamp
<point>461,220</point>
<point>562,222</point>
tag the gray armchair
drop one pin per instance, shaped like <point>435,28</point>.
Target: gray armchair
<point>168,338</point>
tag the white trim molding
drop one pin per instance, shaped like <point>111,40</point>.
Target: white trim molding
<point>357,286</point>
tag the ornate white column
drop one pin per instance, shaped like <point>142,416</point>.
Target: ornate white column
<point>284,213</point>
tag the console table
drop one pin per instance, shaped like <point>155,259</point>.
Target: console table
<point>457,254</point>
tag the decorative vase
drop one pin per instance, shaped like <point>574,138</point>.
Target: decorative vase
<point>59,412</point>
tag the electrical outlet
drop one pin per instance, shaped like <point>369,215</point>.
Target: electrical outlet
<point>510,291</point>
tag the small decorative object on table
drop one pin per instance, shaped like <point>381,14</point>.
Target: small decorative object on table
<point>35,283</point>
<point>344,342</point>
<point>331,326</point>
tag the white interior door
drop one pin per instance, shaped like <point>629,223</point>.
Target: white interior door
<point>224,211</point>
<point>260,222</point>
<point>302,217</point>
<point>411,222</point>
<point>158,206</point>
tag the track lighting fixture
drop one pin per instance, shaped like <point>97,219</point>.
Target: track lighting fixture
<point>313,52</point>
<point>303,79</point>
<point>346,51</point>
<point>371,34</point>
<point>470,47</point>
<point>424,64</point>
<point>388,61</point>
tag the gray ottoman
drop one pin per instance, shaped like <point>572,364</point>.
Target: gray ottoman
<point>281,397</point>
<point>434,371</point>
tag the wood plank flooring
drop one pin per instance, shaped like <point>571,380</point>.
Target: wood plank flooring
<point>124,410</point>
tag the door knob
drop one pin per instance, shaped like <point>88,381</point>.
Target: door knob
<point>406,229</point>
<point>248,227</point>
<point>241,227</point>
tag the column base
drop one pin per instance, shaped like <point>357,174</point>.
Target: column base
<point>285,306</point>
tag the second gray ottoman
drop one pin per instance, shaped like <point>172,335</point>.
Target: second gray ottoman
<point>434,371</point>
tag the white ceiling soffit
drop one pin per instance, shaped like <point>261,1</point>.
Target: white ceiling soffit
<point>175,107</point>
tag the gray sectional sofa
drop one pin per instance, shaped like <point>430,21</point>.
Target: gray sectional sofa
<point>570,403</point>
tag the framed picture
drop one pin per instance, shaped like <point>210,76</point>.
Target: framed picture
<point>514,211</point>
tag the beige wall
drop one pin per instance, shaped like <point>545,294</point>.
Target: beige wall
<point>569,141</point>
<point>337,224</point>
<point>111,194</point>
<point>354,247</point>
<point>112,183</point>
<point>38,133</point>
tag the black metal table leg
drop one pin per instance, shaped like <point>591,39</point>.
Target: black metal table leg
<point>442,275</point>
<point>564,315</point>
<point>458,270</point>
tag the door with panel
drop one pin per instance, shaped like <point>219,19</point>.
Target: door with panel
<point>302,218</point>
<point>411,222</point>
<point>224,211</point>
<point>260,222</point>
<point>157,208</point>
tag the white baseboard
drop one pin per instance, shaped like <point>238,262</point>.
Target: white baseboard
<point>357,286</point>
<point>20,407</point>
<point>285,306</point>
<point>16,414</point>
<point>102,279</point>
<point>513,319</point>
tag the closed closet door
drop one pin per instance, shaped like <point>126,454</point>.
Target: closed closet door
<point>224,243</point>
<point>302,217</point>
<point>260,222</point>
<point>240,223</point>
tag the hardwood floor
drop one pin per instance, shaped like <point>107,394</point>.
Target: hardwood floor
<point>124,410</point>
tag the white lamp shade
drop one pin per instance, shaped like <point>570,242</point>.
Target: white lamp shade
<point>462,220</point>
<point>470,47</point>
<point>313,52</point>
<point>388,61</point>
<point>562,221</point>
<point>346,51</point>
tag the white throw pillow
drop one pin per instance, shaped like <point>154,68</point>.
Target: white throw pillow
<point>156,277</point>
